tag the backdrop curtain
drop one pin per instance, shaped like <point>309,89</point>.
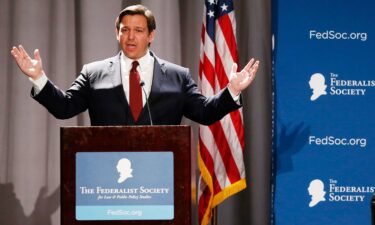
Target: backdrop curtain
<point>71,33</point>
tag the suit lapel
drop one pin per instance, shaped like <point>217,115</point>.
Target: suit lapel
<point>158,79</point>
<point>114,70</point>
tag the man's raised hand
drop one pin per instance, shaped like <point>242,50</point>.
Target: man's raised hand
<point>241,80</point>
<point>30,67</point>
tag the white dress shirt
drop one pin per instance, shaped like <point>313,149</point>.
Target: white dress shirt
<point>145,70</point>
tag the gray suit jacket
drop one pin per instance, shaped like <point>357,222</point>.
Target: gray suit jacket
<point>99,89</point>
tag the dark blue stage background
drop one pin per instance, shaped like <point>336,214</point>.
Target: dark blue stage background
<point>324,170</point>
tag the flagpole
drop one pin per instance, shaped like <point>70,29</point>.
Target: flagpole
<point>214,216</point>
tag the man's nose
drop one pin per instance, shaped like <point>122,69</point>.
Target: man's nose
<point>131,34</point>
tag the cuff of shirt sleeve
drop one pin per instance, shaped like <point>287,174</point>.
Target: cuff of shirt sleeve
<point>236,98</point>
<point>39,84</point>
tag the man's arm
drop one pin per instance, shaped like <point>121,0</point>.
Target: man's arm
<point>207,110</point>
<point>62,105</point>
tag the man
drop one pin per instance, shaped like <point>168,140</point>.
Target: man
<point>111,89</point>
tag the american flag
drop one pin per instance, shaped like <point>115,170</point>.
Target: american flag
<point>221,145</point>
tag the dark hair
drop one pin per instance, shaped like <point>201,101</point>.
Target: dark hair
<point>137,10</point>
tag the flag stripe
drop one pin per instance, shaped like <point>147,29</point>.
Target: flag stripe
<point>224,150</point>
<point>209,47</point>
<point>237,121</point>
<point>233,141</point>
<point>228,34</point>
<point>209,71</point>
<point>210,162</point>
<point>210,147</point>
<point>203,203</point>
<point>222,52</point>
<point>219,69</point>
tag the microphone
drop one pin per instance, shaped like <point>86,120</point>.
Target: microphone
<point>142,84</point>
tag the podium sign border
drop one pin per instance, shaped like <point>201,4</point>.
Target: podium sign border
<point>176,139</point>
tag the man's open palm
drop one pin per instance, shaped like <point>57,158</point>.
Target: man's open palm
<point>30,67</point>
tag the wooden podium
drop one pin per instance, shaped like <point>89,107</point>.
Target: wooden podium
<point>176,139</point>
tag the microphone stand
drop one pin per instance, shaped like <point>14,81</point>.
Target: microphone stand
<point>142,84</point>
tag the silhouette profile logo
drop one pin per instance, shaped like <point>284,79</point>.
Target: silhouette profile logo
<point>124,169</point>
<point>316,190</point>
<point>318,86</point>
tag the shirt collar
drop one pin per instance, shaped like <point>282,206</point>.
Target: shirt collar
<point>143,61</point>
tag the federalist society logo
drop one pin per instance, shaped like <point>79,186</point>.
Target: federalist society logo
<point>320,86</point>
<point>336,192</point>
<point>124,168</point>
<point>316,190</point>
<point>123,190</point>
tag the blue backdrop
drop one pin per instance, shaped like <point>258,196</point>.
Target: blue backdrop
<point>324,68</point>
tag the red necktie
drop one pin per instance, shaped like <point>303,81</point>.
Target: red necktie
<point>135,91</point>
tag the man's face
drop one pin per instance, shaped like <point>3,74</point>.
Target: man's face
<point>134,36</point>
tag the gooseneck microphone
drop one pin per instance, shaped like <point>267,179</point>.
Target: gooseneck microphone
<point>142,84</point>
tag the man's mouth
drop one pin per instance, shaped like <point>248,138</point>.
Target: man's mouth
<point>131,45</point>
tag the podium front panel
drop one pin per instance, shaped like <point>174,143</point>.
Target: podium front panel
<point>126,175</point>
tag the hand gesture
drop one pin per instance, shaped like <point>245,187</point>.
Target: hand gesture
<point>30,67</point>
<point>241,80</point>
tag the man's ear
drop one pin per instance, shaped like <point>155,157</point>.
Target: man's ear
<point>117,34</point>
<point>151,37</point>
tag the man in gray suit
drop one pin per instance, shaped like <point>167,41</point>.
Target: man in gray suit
<point>111,89</point>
